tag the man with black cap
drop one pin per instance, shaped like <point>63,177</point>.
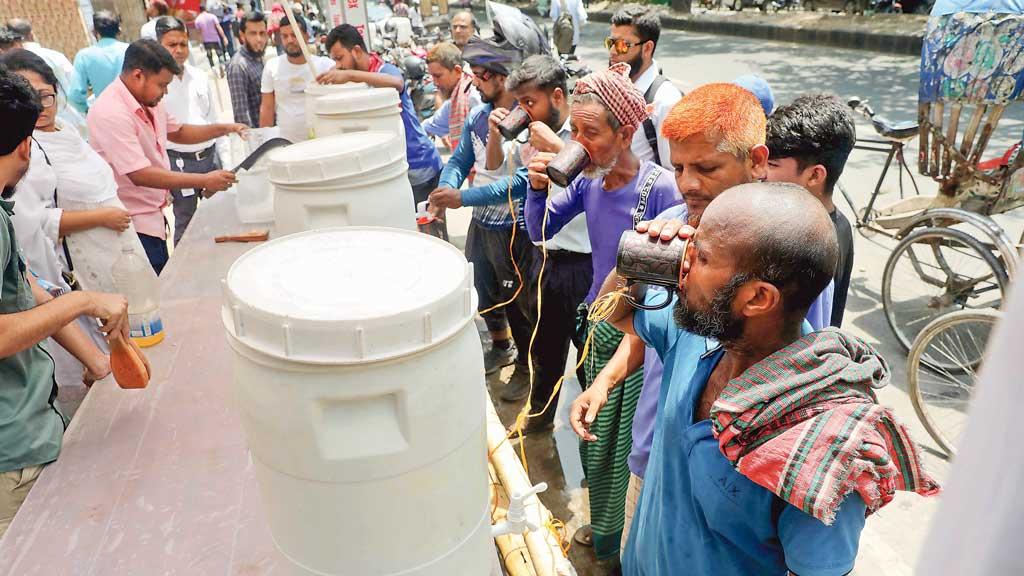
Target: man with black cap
<point>491,230</point>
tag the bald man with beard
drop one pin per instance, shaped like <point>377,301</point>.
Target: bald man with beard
<point>770,447</point>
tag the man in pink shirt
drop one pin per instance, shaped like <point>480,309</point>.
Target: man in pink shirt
<point>212,34</point>
<point>129,128</point>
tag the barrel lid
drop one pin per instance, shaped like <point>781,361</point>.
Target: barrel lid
<point>348,295</point>
<point>355,101</point>
<point>339,156</point>
<point>315,89</point>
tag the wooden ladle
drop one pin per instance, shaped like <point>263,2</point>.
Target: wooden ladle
<point>128,363</point>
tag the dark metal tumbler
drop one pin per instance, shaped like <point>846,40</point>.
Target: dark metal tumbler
<point>567,164</point>
<point>514,124</point>
<point>645,260</point>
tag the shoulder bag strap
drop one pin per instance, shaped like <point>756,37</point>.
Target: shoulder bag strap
<point>650,131</point>
<point>645,193</point>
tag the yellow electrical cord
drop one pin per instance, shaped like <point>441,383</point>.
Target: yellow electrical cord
<point>600,310</point>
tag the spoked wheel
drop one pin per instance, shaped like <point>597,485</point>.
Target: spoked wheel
<point>934,271</point>
<point>942,367</point>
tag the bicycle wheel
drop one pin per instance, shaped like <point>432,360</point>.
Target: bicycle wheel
<point>941,395</point>
<point>934,271</point>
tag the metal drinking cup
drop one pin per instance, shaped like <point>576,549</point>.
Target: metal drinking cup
<point>568,164</point>
<point>514,124</point>
<point>642,259</point>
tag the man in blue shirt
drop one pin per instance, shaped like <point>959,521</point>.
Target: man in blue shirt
<point>355,64</point>
<point>760,256</point>
<point>98,65</point>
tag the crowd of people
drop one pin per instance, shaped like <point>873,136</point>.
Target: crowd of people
<point>735,431</point>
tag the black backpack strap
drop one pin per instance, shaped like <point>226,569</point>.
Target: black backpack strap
<point>650,130</point>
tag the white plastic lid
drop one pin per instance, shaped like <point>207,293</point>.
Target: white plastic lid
<point>314,89</point>
<point>348,295</point>
<point>339,156</point>
<point>355,101</point>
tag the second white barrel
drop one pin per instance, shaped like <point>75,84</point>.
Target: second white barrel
<point>344,180</point>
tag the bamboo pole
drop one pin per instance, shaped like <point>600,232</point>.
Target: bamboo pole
<point>544,547</point>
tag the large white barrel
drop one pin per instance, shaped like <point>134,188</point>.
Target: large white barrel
<point>359,111</point>
<point>360,383</point>
<point>343,180</point>
<point>314,91</point>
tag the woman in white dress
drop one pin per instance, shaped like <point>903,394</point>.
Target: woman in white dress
<point>67,216</point>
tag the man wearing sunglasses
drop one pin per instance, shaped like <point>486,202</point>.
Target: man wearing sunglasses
<point>634,37</point>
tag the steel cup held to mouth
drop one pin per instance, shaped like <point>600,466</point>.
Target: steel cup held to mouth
<point>642,259</point>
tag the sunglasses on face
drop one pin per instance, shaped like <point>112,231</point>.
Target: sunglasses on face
<point>620,45</point>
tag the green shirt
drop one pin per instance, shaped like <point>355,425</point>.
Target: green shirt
<point>30,425</point>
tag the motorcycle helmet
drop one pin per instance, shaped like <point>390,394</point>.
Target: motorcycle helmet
<point>414,68</point>
<point>513,27</point>
<point>490,55</point>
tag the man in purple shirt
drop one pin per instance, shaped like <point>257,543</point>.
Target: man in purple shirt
<point>212,34</point>
<point>615,192</point>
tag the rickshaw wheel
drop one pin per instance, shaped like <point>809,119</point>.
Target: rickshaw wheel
<point>933,271</point>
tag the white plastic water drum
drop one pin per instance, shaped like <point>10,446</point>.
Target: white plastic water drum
<point>343,180</point>
<point>360,384</point>
<point>314,91</point>
<point>359,111</point>
<point>254,196</point>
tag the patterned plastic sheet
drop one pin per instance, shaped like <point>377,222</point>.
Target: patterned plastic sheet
<point>977,58</point>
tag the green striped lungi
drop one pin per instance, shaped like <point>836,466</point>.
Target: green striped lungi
<point>605,460</point>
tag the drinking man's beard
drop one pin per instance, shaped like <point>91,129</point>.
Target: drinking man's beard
<point>717,321</point>
<point>7,193</point>
<point>555,116</point>
<point>593,171</point>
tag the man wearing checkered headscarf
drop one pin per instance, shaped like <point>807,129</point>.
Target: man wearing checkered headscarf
<point>617,92</point>
<point>615,191</point>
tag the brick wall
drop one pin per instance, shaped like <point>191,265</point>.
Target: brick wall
<point>132,12</point>
<point>57,24</point>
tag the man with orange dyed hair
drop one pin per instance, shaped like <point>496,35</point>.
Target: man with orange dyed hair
<point>717,140</point>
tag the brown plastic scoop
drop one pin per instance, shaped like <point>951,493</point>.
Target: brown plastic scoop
<point>128,363</point>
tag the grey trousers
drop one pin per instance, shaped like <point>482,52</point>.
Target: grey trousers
<point>186,201</point>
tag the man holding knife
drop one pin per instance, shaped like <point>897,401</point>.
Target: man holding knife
<point>129,127</point>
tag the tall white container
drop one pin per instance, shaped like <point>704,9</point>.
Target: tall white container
<point>360,384</point>
<point>359,111</point>
<point>314,91</point>
<point>344,180</point>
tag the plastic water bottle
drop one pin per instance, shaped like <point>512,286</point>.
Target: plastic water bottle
<point>135,280</point>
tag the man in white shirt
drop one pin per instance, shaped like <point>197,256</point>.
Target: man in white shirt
<point>154,10</point>
<point>190,100</point>
<point>60,64</point>
<point>284,82</point>
<point>634,37</point>
<point>539,85</point>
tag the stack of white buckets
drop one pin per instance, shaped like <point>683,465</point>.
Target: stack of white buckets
<point>358,368</point>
